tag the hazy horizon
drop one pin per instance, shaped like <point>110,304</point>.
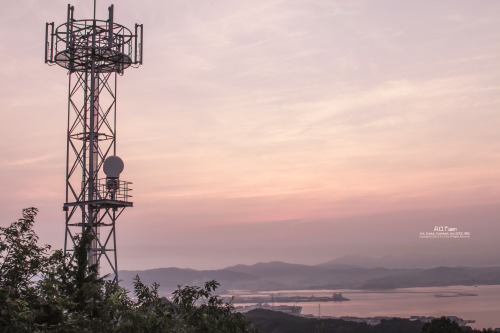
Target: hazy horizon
<point>297,131</point>
<point>365,261</point>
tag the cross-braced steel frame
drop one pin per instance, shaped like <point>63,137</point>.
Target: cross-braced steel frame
<point>94,52</point>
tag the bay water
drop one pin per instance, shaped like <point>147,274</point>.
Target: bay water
<point>479,303</point>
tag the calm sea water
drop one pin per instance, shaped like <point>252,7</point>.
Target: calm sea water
<point>406,302</point>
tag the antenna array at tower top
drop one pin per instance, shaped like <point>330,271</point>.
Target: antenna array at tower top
<point>80,44</point>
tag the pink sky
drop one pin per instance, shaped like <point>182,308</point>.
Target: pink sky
<point>284,130</point>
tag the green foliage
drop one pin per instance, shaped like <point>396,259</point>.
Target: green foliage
<point>201,311</point>
<point>44,291</point>
<point>151,311</point>
<point>21,261</point>
<point>192,310</point>
<point>441,325</point>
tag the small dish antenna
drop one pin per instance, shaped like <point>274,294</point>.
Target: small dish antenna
<point>113,166</point>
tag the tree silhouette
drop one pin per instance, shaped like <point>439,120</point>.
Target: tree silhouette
<point>441,325</point>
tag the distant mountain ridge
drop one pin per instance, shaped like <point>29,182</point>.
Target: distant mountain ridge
<point>280,275</point>
<point>416,261</point>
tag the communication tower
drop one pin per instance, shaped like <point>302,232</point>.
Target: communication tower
<point>94,52</point>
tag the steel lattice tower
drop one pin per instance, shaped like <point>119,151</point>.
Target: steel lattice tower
<point>94,52</point>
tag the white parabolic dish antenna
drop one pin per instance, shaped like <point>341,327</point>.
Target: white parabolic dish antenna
<point>113,166</point>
